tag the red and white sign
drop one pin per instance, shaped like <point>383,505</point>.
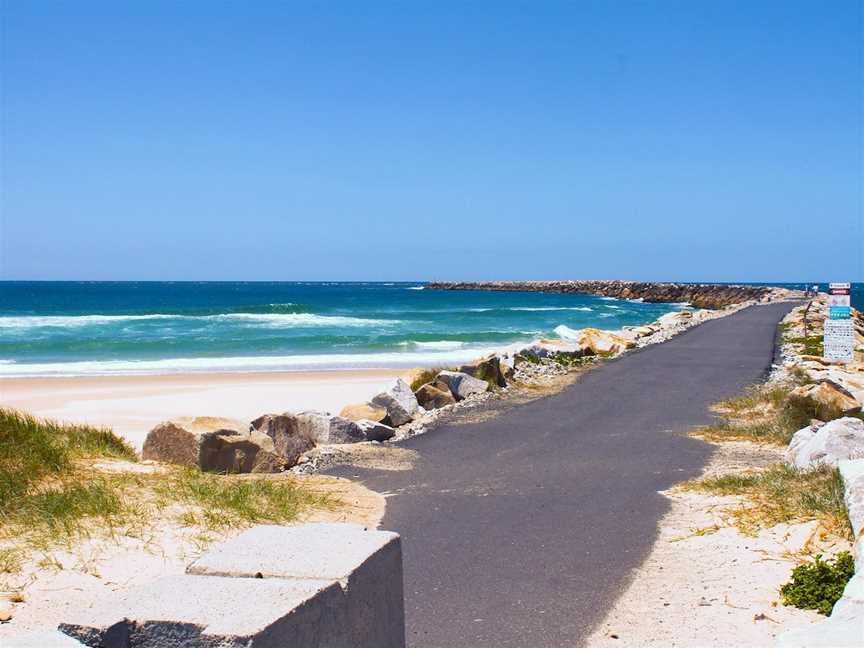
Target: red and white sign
<point>839,288</point>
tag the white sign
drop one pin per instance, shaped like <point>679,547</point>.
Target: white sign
<point>839,340</point>
<point>841,285</point>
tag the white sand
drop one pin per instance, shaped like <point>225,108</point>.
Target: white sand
<point>707,585</point>
<point>132,405</point>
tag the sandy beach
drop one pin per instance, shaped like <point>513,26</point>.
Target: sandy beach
<point>132,405</point>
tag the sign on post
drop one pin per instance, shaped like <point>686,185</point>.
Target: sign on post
<point>839,337</point>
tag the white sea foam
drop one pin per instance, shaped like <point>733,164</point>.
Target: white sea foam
<point>64,321</point>
<point>240,364</point>
<point>300,319</point>
<point>609,298</point>
<point>271,319</point>
<point>586,309</point>
<point>612,306</point>
<point>566,333</point>
<point>438,345</point>
<point>415,288</point>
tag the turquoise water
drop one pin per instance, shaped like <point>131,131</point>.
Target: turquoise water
<point>73,328</point>
<point>84,328</point>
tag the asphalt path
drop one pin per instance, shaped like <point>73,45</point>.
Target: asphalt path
<point>522,530</point>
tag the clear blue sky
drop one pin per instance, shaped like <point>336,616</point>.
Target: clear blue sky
<point>689,140</point>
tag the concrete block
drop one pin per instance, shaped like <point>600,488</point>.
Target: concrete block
<point>366,563</point>
<point>48,639</point>
<point>831,633</point>
<point>852,471</point>
<point>206,612</point>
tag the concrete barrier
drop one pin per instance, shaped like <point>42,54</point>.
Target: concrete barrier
<point>366,564</point>
<point>314,585</point>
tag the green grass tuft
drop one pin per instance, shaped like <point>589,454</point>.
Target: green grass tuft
<point>781,493</point>
<point>225,502</point>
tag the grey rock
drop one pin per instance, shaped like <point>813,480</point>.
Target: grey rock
<point>375,431</point>
<point>314,425</point>
<point>289,440</point>
<point>839,439</point>
<point>399,401</point>
<point>461,384</point>
<point>343,430</point>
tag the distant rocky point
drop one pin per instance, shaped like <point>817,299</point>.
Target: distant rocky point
<point>699,295</point>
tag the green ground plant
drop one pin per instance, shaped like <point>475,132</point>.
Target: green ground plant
<point>819,584</point>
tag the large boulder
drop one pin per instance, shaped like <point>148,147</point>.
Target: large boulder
<point>545,348</point>
<point>212,444</point>
<point>827,398</point>
<point>314,425</point>
<point>434,395</point>
<point>342,430</point>
<point>828,444</point>
<point>462,385</point>
<point>364,412</point>
<point>488,369</point>
<point>399,401</point>
<point>289,439</point>
<point>675,319</point>
<point>375,431</point>
<point>593,341</point>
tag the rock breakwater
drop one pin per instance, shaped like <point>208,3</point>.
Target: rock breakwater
<point>711,296</point>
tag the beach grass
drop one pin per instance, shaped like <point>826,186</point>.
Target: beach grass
<point>217,502</point>
<point>765,413</point>
<point>54,494</point>
<point>781,493</point>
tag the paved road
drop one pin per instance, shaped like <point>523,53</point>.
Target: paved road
<point>521,531</point>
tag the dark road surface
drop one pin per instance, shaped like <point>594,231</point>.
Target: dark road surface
<point>522,530</point>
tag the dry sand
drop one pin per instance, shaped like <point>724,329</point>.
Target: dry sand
<point>705,584</point>
<point>132,405</point>
<point>59,581</point>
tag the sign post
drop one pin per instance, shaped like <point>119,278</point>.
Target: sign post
<point>839,338</point>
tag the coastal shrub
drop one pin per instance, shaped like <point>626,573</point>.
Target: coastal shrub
<point>813,344</point>
<point>818,585</point>
<point>781,493</point>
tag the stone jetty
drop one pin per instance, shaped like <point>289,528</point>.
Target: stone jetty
<point>711,296</point>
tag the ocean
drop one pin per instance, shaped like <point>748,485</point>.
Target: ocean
<point>108,328</point>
